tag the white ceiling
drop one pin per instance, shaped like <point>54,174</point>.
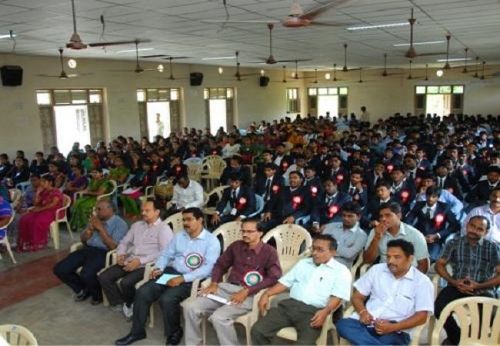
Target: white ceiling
<point>175,28</point>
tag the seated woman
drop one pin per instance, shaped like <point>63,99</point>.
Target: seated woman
<point>82,207</point>
<point>78,181</point>
<point>34,225</point>
<point>59,176</point>
<point>119,173</point>
<point>129,197</point>
<point>18,174</point>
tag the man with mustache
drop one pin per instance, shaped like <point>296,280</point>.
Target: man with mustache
<point>400,298</point>
<point>475,264</point>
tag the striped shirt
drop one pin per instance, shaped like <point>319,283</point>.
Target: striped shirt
<point>477,262</point>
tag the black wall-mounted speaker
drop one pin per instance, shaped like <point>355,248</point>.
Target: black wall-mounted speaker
<point>196,78</point>
<point>12,75</point>
<point>263,81</point>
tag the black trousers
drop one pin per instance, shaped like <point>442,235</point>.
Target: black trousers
<point>124,291</point>
<point>91,259</point>
<point>169,298</point>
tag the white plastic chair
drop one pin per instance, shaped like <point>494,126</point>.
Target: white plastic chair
<point>475,328</point>
<point>5,239</point>
<point>289,241</point>
<point>229,232</point>
<point>259,206</point>
<point>217,191</point>
<point>17,335</point>
<point>175,222</point>
<point>61,217</point>
<point>23,186</point>
<point>15,197</point>
<point>212,168</point>
<point>194,171</point>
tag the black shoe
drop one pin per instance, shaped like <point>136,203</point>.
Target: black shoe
<point>83,295</point>
<point>96,301</point>
<point>130,339</point>
<point>175,338</point>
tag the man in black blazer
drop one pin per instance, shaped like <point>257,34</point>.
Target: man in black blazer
<point>264,183</point>
<point>480,194</point>
<point>378,173</point>
<point>447,182</point>
<point>236,167</point>
<point>370,212</point>
<point>435,220</point>
<point>237,202</point>
<point>403,189</point>
<point>329,206</point>
<point>355,188</point>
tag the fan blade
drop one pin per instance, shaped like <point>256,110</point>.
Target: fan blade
<point>217,21</point>
<point>117,43</point>
<point>314,12</point>
<point>331,24</point>
<point>431,54</point>
<point>293,60</point>
<point>175,57</point>
<point>154,56</point>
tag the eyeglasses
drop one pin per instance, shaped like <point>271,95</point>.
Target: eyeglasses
<point>249,231</point>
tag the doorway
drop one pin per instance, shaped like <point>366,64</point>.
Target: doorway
<point>439,104</point>
<point>328,104</point>
<point>158,119</point>
<point>72,125</point>
<point>217,111</point>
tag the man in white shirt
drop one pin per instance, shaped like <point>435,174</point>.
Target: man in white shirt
<point>142,244</point>
<point>349,236</point>
<point>187,194</point>
<point>400,298</point>
<point>317,287</point>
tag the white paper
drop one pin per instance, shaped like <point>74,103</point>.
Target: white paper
<point>130,190</point>
<point>165,278</point>
<point>218,299</point>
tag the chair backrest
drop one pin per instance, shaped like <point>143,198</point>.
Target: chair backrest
<point>213,164</point>
<point>476,327</point>
<point>193,160</point>
<point>259,205</point>
<point>229,232</point>
<point>219,191</point>
<point>292,242</point>
<point>61,212</point>
<point>357,263</point>
<point>17,335</point>
<point>194,171</point>
<point>15,196</point>
<point>175,222</point>
<point>23,186</point>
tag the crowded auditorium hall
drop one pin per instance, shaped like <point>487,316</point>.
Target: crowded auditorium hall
<point>229,172</point>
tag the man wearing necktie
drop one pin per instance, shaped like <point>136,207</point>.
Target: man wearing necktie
<point>330,205</point>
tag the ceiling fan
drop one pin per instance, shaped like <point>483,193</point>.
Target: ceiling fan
<point>297,17</point>
<point>63,74</point>
<point>345,69</point>
<point>270,59</point>
<point>385,73</point>
<point>75,42</point>
<point>138,68</point>
<point>411,53</point>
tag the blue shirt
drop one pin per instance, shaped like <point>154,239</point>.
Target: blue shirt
<point>116,227</point>
<point>192,257</point>
<point>314,284</point>
<point>5,211</point>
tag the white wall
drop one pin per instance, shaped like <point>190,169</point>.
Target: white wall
<point>20,124</point>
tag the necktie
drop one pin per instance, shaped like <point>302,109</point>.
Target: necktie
<point>233,196</point>
<point>441,183</point>
<point>352,190</point>
<point>375,180</point>
<point>412,175</point>
<point>427,212</point>
<point>268,189</point>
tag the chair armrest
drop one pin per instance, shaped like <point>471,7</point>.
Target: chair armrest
<point>75,246</point>
<point>58,211</point>
<point>78,194</point>
<point>147,273</point>
<point>415,333</point>
<point>111,258</point>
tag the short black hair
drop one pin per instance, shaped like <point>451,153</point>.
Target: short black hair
<point>255,220</point>
<point>157,204</point>
<point>297,173</point>
<point>327,237</point>
<point>50,178</point>
<point>433,191</point>
<point>404,245</point>
<point>351,207</point>
<point>395,207</point>
<point>483,218</point>
<point>271,165</point>
<point>384,183</point>
<point>197,213</point>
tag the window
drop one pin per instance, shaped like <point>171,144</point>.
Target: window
<point>328,101</point>
<point>158,111</point>
<point>439,99</point>
<point>70,115</point>
<point>292,100</point>
<point>219,108</point>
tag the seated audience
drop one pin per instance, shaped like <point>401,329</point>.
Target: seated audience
<point>82,207</point>
<point>78,182</point>
<point>39,164</point>
<point>388,307</point>
<point>34,225</point>
<point>351,239</point>
<point>5,166</point>
<point>475,264</point>
<point>119,172</point>
<point>252,266</point>
<point>355,188</point>
<point>317,286</point>
<point>435,220</point>
<point>103,233</point>
<point>187,194</point>
<point>19,173</point>
<point>389,227</point>
<point>141,245</point>
<point>328,208</point>
<point>189,256</point>
<point>479,195</point>
<point>237,202</point>
<point>55,171</point>
<point>491,211</point>
<point>138,184</point>
<point>235,167</point>
<point>5,215</point>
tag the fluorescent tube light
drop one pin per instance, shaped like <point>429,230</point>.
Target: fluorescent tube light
<point>417,43</point>
<point>133,50</point>
<point>219,58</point>
<point>7,36</point>
<point>453,59</point>
<point>377,26</point>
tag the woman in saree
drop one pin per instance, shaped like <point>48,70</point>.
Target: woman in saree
<point>77,183</point>
<point>82,207</point>
<point>142,179</point>
<point>119,173</point>
<point>34,225</point>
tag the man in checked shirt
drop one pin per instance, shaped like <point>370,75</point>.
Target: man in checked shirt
<point>254,266</point>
